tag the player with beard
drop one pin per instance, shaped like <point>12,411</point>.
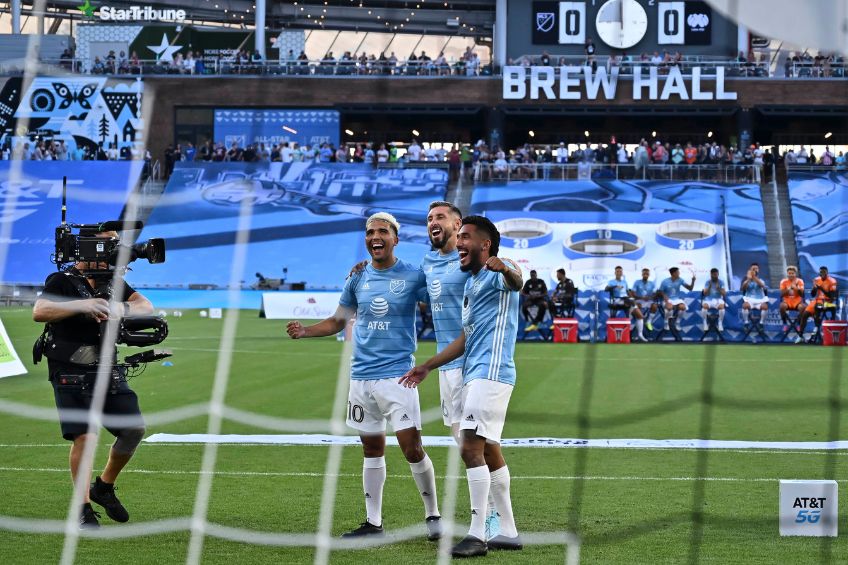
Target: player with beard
<point>490,328</point>
<point>384,297</point>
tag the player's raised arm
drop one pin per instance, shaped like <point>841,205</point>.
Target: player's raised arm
<point>691,286</point>
<point>510,271</point>
<point>330,326</point>
<point>418,373</point>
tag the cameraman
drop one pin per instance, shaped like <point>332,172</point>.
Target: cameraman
<point>74,311</point>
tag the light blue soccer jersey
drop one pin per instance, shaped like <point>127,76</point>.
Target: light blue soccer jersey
<point>714,289</point>
<point>672,288</point>
<point>445,287</point>
<point>619,289</point>
<point>754,291</point>
<point>386,302</point>
<point>644,288</point>
<point>490,321</point>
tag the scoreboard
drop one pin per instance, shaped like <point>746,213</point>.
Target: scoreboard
<point>616,26</point>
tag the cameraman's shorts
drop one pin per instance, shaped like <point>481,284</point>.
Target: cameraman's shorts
<point>120,402</point>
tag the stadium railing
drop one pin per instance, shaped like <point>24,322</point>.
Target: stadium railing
<point>732,173</point>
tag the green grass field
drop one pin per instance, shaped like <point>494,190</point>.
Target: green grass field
<point>628,506</point>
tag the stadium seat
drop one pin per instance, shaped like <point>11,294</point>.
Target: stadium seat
<point>792,326</point>
<point>755,324</point>
<point>712,327</point>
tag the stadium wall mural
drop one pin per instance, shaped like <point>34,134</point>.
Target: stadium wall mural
<point>31,202</point>
<point>82,111</point>
<point>305,217</point>
<point>820,215</point>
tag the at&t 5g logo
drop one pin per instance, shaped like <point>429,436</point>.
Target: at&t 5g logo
<point>810,509</point>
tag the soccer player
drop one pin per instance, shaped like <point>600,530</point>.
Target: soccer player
<point>643,292</point>
<point>792,296</point>
<point>673,298</point>
<point>621,297</point>
<point>823,293</point>
<point>714,294</point>
<point>384,298</point>
<point>445,285</point>
<point>490,324</point>
<point>754,294</point>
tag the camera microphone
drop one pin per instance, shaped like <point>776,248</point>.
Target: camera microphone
<point>147,356</point>
<point>120,225</point>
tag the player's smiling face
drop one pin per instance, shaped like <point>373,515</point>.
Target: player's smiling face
<point>442,225</point>
<point>380,240</point>
<point>470,247</point>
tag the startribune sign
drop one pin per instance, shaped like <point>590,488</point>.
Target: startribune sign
<point>132,13</point>
<point>579,83</point>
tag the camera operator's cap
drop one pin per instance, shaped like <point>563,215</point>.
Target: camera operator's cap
<point>386,217</point>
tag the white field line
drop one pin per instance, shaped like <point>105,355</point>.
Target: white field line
<point>357,476</point>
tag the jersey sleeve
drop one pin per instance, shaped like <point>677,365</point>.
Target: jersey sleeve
<point>499,282</point>
<point>423,295</point>
<point>348,297</point>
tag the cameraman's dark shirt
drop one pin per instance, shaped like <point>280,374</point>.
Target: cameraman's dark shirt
<point>79,328</point>
<point>535,289</point>
<point>565,289</point>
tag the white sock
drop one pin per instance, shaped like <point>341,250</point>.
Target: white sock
<point>478,488</point>
<point>640,326</point>
<point>373,479</point>
<point>704,314</point>
<point>425,480</point>
<point>745,314</point>
<point>721,314</point>
<point>500,491</point>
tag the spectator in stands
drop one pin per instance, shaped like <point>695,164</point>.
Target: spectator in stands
<point>370,155</point>
<point>714,295</point>
<point>813,159</point>
<point>802,157</point>
<point>840,161</point>
<point>590,47</point>
<point>341,154</point>
<point>123,63</point>
<point>98,68</point>
<point>189,63</point>
<point>792,296</point>
<point>111,62</point>
<point>677,155</point>
<point>66,59</point>
<point>501,165</point>
<point>414,151</point>
<point>535,293</point>
<point>754,294</point>
<point>382,154</point>
<point>824,296</point>
<point>827,157</point>
<point>234,153</point>
<point>135,64</point>
<point>672,297</point>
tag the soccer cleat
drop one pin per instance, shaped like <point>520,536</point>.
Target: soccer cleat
<point>88,518</point>
<point>505,543</point>
<point>649,325</point>
<point>799,339</point>
<point>366,528</point>
<point>434,527</point>
<point>104,495</point>
<point>470,547</point>
<point>720,326</point>
<point>640,337</point>
<point>530,328</point>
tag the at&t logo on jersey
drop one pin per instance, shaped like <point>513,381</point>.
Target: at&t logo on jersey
<point>435,290</point>
<point>379,307</point>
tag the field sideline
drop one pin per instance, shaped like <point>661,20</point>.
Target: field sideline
<point>628,506</point>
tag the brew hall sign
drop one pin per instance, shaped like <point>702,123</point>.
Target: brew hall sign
<point>584,83</point>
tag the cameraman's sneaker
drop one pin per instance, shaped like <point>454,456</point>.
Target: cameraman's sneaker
<point>104,495</point>
<point>434,527</point>
<point>88,518</point>
<point>366,528</point>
